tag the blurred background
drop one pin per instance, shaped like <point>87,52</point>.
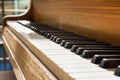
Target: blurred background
<point>12,7</point>
<point>9,7</point>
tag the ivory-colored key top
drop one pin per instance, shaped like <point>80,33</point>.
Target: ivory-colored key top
<point>66,58</point>
<point>77,65</point>
<point>54,50</point>
<point>100,78</point>
<point>58,53</point>
<point>72,62</point>
<point>86,69</point>
<point>91,74</point>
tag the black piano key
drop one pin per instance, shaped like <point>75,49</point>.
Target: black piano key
<point>48,35</point>
<point>63,42</point>
<point>110,63</point>
<point>69,45</point>
<point>81,49</point>
<point>42,32</point>
<point>117,71</point>
<point>75,47</point>
<point>98,58</point>
<point>52,36</point>
<point>91,53</point>
<point>41,27</point>
<point>66,37</point>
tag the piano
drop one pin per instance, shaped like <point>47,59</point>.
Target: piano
<point>65,40</point>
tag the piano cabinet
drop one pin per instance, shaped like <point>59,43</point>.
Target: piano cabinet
<point>97,19</point>
<point>25,65</point>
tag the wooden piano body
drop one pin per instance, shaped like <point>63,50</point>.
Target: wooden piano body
<point>98,19</point>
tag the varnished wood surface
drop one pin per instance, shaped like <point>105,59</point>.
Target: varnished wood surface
<point>93,18</point>
<point>29,37</point>
<point>27,15</point>
<point>13,61</point>
<point>98,19</point>
<point>26,66</point>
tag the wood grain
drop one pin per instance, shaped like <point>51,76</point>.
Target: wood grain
<point>98,19</point>
<point>27,15</point>
<point>30,66</point>
<point>53,67</point>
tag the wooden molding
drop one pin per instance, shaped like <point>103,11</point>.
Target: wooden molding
<point>30,68</point>
<point>27,15</point>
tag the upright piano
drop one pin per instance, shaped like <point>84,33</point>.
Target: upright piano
<point>65,40</point>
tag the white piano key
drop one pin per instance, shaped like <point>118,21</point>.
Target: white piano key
<point>74,65</point>
<point>54,50</point>
<point>59,62</point>
<point>91,74</point>
<point>77,65</point>
<point>86,69</point>
<point>58,53</point>
<point>67,58</point>
<point>100,78</point>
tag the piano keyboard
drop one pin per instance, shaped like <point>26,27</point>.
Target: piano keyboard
<point>74,53</point>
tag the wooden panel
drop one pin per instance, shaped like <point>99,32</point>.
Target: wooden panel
<point>93,18</point>
<point>16,69</point>
<point>26,36</point>
<point>30,66</point>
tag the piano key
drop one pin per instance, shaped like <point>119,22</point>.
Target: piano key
<point>69,45</point>
<point>97,58</point>
<point>99,78</point>
<point>67,59</point>
<point>42,32</point>
<point>91,74</point>
<point>91,53</point>
<point>63,42</point>
<point>52,34</point>
<point>61,37</point>
<point>49,34</point>
<point>25,22</point>
<point>117,71</point>
<point>40,29</point>
<point>81,49</point>
<point>58,53</point>
<point>66,37</point>
<point>44,28</point>
<point>77,65</point>
<point>110,62</point>
<point>85,69</point>
<point>75,47</point>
